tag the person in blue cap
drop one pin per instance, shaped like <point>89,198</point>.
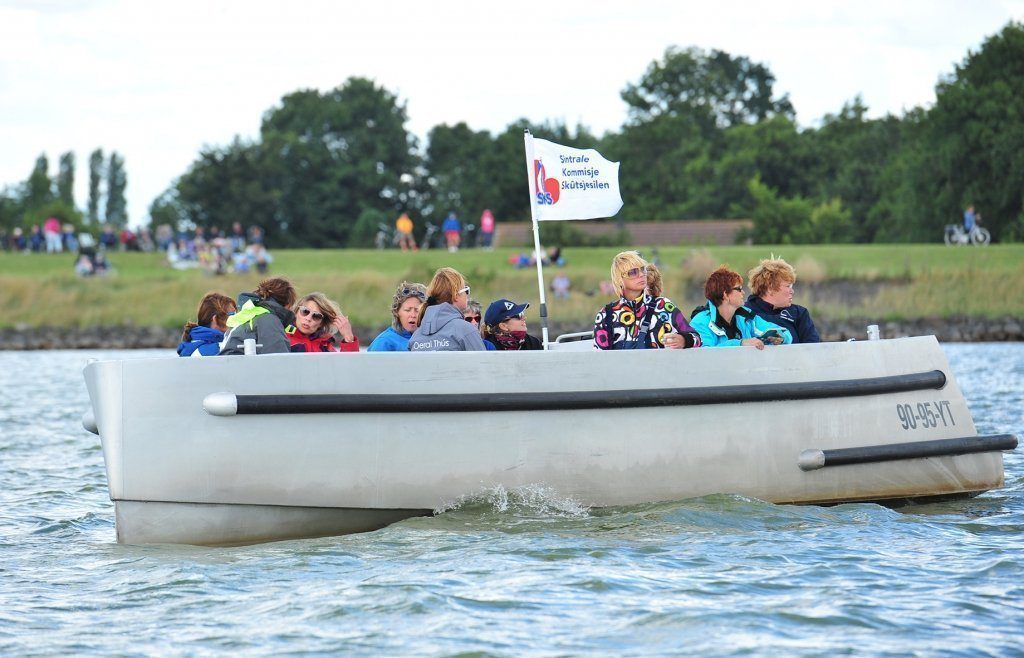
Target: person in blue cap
<point>505,327</point>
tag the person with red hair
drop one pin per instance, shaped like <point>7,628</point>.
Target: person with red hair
<point>725,321</point>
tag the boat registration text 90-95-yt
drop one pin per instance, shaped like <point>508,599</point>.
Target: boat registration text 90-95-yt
<point>925,415</point>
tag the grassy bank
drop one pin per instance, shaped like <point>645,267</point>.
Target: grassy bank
<point>836,281</point>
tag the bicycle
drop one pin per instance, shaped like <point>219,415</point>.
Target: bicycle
<point>956,235</point>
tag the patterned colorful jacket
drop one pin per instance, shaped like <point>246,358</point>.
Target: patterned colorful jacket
<point>620,325</point>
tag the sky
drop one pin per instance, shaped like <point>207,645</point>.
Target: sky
<point>159,81</point>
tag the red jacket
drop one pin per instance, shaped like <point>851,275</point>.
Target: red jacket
<point>318,342</point>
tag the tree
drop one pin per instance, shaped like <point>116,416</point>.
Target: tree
<point>39,189</point>
<point>66,179</point>
<point>712,89</point>
<point>117,180</point>
<point>976,129</point>
<point>335,155</point>
<point>224,185</point>
<point>96,175</point>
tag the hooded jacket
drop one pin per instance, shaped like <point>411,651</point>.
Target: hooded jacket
<point>793,317</point>
<point>443,329</point>
<point>262,319</point>
<point>747,324</point>
<point>202,341</point>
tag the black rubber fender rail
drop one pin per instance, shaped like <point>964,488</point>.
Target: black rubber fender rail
<point>230,404</point>
<point>810,460</point>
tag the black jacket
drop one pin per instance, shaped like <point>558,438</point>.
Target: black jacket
<point>795,318</point>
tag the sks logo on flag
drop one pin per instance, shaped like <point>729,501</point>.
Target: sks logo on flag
<point>547,188</point>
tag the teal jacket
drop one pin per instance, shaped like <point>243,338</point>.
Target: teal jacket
<point>750,326</point>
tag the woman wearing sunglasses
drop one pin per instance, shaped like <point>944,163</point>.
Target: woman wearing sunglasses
<point>320,326</point>
<point>405,309</point>
<point>640,319</point>
<point>505,327</point>
<point>725,321</point>
<point>441,327</point>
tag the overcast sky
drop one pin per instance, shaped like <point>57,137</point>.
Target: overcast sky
<point>157,82</point>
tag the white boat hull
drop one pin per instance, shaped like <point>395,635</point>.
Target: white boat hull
<point>181,474</point>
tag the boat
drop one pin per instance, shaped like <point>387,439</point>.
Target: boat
<point>247,449</point>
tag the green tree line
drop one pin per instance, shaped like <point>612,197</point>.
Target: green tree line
<point>42,196</point>
<point>706,136</point>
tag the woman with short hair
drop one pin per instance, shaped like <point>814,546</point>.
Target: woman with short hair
<point>725,321</point>
<point>320,326</point>
<point>441,327</point>
<point>405,310</point>
<point>639,319</point>
<point>771,298</point>
<point>262,315</point>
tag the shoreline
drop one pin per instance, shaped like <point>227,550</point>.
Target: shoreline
<point>947,330</point>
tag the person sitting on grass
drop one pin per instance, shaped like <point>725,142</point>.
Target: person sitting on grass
<point>772,299</point>
<point>724,321</point>
<point>320,326</point>
<point>203,337</point>
<point>262,315</point>
<point>405,310</point>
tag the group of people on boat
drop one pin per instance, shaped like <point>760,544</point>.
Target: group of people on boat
<point>442,316</point>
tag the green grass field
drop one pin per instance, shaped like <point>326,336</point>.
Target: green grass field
<point>835,281</point>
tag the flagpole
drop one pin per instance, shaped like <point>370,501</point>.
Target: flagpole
<point>531,178</point>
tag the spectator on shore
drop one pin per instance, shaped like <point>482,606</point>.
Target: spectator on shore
<point>487,229</point>
<point>403,233</point>
<point>204,336</point>
<point>164,237</point>
<point>51,233</point>
<point>638,319</point>
<point>108,239</point>
<point>237,238</point>
<point>771,298</point>
<point>441,327</point>
<point>262,315</point>
<point>68,238</point>
<point>320,326</point>
<point>725,322</point>
<point>18,241</point>
<point>452,229</point>
<point>36,241</point>
<point>560,286</point>
<point>405,310</point>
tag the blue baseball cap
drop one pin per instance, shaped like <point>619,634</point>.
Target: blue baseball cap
<point>501,310</point>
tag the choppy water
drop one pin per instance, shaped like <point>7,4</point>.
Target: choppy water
<point>520,573</point>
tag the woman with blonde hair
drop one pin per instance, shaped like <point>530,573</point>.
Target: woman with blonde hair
<point>203,337</point>
<point>640,319</point>
<point>320,326</point>
<point>405,311</point>
<point>441,327</point>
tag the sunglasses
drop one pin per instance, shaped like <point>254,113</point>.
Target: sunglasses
<point>521,316</point>
<point>305,312</point>
<point>635,272</point>
<point>464,291</point>
<point>472,318</point>
<point>410,292</point>
<point>738,288</point>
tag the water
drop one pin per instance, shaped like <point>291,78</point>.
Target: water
<point>509,573</point>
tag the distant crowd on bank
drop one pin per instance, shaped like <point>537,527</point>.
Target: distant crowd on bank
<point>217,252</point>
<point>442,316</point>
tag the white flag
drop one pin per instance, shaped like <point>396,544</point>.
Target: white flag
<point>569,183</point>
